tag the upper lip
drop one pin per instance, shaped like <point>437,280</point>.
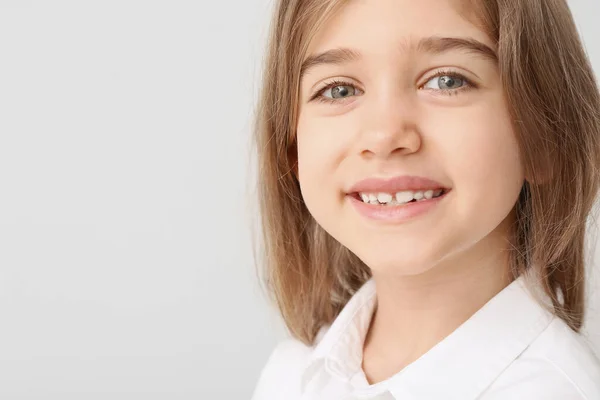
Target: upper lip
<point>395,184</point>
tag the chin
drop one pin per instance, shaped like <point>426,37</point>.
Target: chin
<point>400,268</point>
<point>398,265</point>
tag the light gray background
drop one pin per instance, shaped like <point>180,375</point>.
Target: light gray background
<point>126,268</point>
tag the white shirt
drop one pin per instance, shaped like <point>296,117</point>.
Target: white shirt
<point>511,349</point>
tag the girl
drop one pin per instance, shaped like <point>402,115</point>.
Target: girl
<point>426,172</point>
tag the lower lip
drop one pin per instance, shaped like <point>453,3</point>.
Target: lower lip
<point>395,214</point>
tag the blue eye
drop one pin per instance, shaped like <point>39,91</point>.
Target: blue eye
<point>445,82</point>
<point>339,91</point>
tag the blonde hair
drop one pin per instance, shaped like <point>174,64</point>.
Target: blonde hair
<point>555,107</point>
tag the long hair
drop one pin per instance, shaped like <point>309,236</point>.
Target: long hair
<point>555,107</point>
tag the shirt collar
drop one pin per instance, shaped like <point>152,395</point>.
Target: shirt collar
<point>459,367</point>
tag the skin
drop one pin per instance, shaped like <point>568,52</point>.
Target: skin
<point>396,118</point>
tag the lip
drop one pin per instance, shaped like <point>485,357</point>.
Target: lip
<point>395,214</point>
<point>395,184</point>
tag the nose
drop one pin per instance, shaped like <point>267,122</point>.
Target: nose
<point>389,128</point>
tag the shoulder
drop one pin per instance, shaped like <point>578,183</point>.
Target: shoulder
<point>281,375</point>
<point>559,364</point>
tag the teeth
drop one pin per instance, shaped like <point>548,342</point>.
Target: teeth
<point>404,197</point>
<point>400,197</point>
<point>384,198</point>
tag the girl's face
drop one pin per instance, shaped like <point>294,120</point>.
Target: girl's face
<point>412,101</point>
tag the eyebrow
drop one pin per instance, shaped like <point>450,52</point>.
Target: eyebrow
<point>433,45</point>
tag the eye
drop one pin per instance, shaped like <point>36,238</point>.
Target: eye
<point>336,91</point>
<point>445,81</point>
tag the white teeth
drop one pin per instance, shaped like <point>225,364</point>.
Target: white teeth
<point>404,197</point>
<point>384,198</point>
<point>400,197</point>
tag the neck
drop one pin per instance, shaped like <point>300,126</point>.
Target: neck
<point>414,313</point>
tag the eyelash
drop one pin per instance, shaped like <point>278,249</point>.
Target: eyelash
<point>446,92</point>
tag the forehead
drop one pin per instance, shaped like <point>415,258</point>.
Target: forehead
<point>378,25</point>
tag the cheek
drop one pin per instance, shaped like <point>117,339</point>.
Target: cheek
<point>315,157</point>
<point>320,150</point>
<point>492,150</point>
<point>482,156</point>
<point>324,147</point>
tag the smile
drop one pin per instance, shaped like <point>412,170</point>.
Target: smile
<point>390,210</point>
<point>398,198</point>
